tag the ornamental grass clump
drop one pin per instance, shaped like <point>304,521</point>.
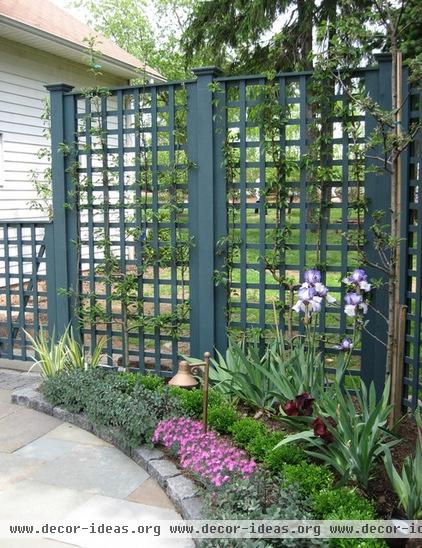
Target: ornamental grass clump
<point>213,459</point>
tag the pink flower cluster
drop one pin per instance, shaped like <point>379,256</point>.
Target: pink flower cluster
<point>213,458</point>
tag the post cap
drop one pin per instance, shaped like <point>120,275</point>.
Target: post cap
<point>207,71</point>
<point>65,88</point>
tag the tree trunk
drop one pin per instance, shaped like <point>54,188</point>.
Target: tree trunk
<point>394,339</point>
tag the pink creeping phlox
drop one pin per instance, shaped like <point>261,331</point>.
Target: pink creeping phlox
<point>213,458</point>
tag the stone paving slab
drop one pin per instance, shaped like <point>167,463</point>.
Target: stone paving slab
<point>33,500</point>
<point>150,493</point>
<point>22,427</point>
<point>6,409</point>
<point>10,380</point>
<point>13,470</point>
<point>5,395</point>
<point>103,508</point>
<point>45,449</point>
<point>98,470</point>
<point>100,507</point>
<point>68,432</point>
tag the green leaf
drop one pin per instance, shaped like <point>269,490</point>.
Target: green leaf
<point>306,435</point>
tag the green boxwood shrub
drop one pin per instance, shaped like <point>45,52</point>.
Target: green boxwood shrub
<point>342,503</point>
<point>192,400</point>
<point>222,417</point>
<point>245,430</point>
<point>287,454</point>
<point>264,442</point>
<point>310,478</point>
<point>150,381</point>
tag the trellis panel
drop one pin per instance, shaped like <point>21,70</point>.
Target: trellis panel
<point>411,254</point>
<point>142,192</point>
<point>251,222</point>
<point>23,286</point>
<point>132,215</point>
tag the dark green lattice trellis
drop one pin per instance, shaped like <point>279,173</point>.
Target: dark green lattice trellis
<point>133,213</point>
<point>154,189</point>
<point>316,213</point>
<point>411,275</point>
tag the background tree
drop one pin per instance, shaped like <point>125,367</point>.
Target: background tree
<point>261,35</point>
<point>154,40</point>
<point>410,30</point>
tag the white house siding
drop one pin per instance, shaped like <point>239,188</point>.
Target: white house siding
<point>24,72</point>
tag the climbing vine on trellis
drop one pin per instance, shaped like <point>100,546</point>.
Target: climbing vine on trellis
<point>146,229</point>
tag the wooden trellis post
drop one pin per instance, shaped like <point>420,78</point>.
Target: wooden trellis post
<point>65,235</point>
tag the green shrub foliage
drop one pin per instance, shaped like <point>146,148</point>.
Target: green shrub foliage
<point>222,417</point>
<point>259,446</point>
<point>114,400</point>
<point>192,400</point>
<point>245,430</point>
<point>310,478</point>
<point>341,504</point>
<point>258,497</point>
<point>151,382</point>
<point>276,458</point>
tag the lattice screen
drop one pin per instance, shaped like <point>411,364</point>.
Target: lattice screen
<point>256,217</point>
<point>23,286</point>
<point>412,274</point>
<point>133,214</point>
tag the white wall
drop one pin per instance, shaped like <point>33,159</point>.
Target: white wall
<point>24,72</point>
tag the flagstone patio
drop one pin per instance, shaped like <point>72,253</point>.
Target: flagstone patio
<point>50,470</point>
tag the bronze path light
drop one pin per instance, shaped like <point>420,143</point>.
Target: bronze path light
<point>184,379</point>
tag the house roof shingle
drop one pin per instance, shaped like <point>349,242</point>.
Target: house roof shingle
<point>47,17</point>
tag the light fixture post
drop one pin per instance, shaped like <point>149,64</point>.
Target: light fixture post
<point>185,379</point>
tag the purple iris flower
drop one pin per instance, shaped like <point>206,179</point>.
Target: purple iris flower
<point>354,304</point>
<point>306,294</point>
<point>345,345</point>
<point>353,299</point>
<point>321,289</point>
<point>312,276</point>
<point>358,275</point>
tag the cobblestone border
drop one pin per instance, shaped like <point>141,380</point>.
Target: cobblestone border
<point>184,493</point>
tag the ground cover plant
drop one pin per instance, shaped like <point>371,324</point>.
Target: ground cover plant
<point>130,404</point>
<point>211,458</point>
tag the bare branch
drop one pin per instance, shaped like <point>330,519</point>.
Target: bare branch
<point>379,313</point>
<point>375,337</point>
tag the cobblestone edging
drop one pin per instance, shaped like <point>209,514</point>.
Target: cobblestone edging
<point>183,492</point>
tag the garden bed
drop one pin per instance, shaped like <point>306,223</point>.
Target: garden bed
<point>128,409</point>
